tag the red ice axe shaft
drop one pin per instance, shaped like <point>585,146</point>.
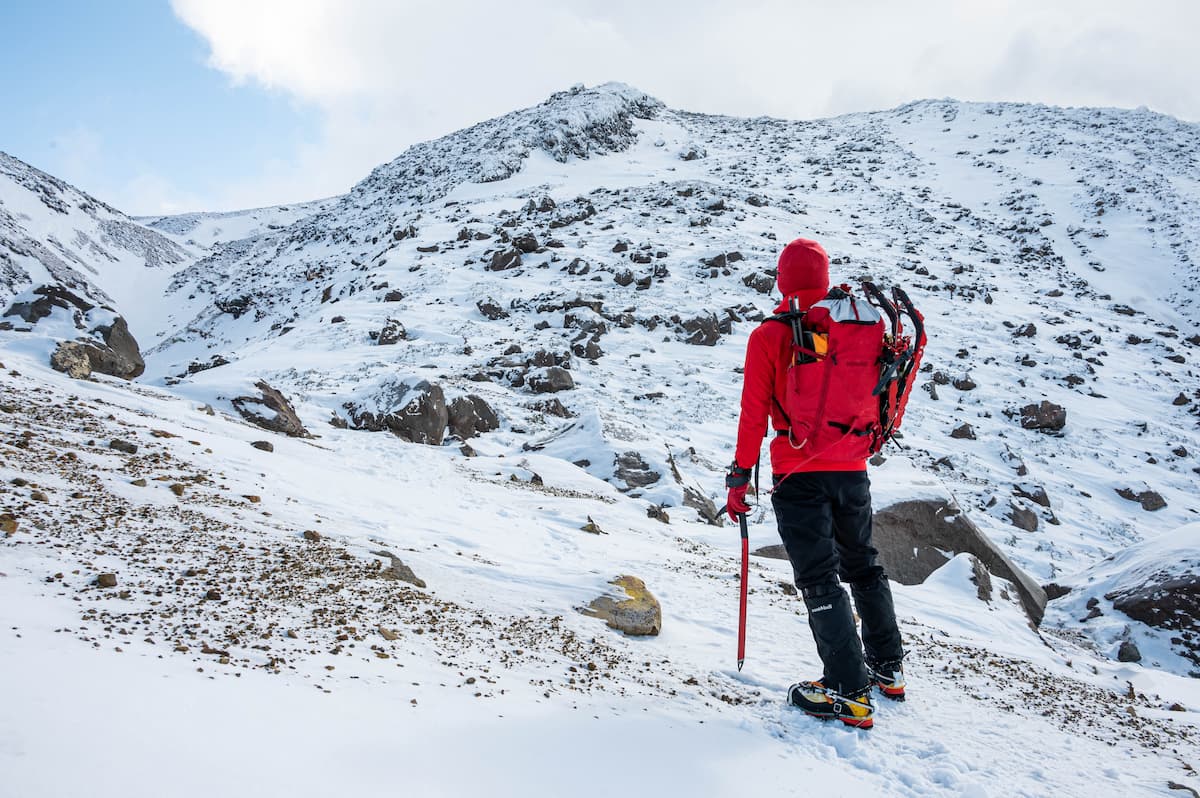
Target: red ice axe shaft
<point>741,654</point>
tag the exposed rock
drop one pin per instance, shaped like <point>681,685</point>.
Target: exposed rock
<point>526,243</point>
<point>1035,493</point>
<point>1150,500</point>
<point>911,537</point>
<point>982,579</point>
<point>631,469</point>
<point>48,298</point>
<point>1023,518</point>
<point>120,357</point>
<point>551,379</point>
<point>591,527</point>
<point>638,613</point>
<point>392,333</point>
<point>623,278</point>
<point>79,358</point>
<point>106,580</point>
<point>312,536</point>
<point>1054,591</point>
<point>8,524</point>
<point>123,446</point>
<point>1025,331</point>
<point>415,412</point>
<point>963,431</point>
<point>659,513</point>
<point>469,416</point>
<point>965,383</point>
<point>265,446</point>
<point>699,502</point>
<point>759,281</point>
<point>1128,652</point>
<point>491,309</point>
<point>1046,416</point>
<point>552,407</point>
<point>397,570</point>
<point>393,296</point>
<point>703,330</point>
<point>71,358</point>
<point>504,259</point>
<point>285,419</point>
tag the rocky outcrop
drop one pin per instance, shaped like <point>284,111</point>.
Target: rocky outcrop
<point>415,412</point>
<point>913,538</point>
<point>49,297</point>
<point>637,614</point>
<point>631,469</point>
<point>284,420</point>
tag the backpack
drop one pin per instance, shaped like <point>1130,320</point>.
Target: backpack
<point>851,372</point>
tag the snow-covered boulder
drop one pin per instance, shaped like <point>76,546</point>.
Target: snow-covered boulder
<point>413,410</point>
<point>917,537</point>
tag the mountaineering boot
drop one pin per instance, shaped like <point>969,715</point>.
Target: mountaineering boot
<point>819,701</point>
<point>889,678</point>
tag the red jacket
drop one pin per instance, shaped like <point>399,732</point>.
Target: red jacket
<point>768,355</point>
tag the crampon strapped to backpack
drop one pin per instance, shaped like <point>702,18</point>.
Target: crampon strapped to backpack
<point>851,372</point>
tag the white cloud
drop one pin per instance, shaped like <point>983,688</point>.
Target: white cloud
<point>386,74</point>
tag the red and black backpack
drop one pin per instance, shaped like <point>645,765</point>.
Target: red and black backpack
<point>851,372</point>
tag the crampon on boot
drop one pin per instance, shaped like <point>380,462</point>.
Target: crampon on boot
<point>889,678</point>
<point>819,701</point>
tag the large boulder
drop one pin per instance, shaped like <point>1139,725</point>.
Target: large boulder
<point>71,358</point>
<point>470,415</point>
<point>1045,416</point>
<point>120,356</point>
<point>283,418</point>
<point>914,538</point>
<point>551,379</point>
<point>414,411</point>
<point>637,613</point>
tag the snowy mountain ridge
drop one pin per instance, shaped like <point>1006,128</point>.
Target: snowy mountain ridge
<point>588,271</point>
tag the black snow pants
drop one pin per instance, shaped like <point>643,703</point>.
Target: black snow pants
<point>824,520</point>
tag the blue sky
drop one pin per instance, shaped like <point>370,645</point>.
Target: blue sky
<point>160,106</point>
<point>116,98</point>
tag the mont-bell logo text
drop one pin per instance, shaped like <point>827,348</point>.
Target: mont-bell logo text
<point>822,608</point>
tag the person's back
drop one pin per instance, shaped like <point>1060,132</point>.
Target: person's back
<point>823,511</point>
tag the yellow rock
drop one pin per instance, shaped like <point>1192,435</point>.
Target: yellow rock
<point>639,613</point>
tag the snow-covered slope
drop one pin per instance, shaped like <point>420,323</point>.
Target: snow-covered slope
<point>1050,248</point>
<point>54,234</point>
<point>1052,251</point>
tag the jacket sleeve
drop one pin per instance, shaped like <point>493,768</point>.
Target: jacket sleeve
<point>758,386</point>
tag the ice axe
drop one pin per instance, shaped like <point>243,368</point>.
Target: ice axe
<point>741,653</point>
